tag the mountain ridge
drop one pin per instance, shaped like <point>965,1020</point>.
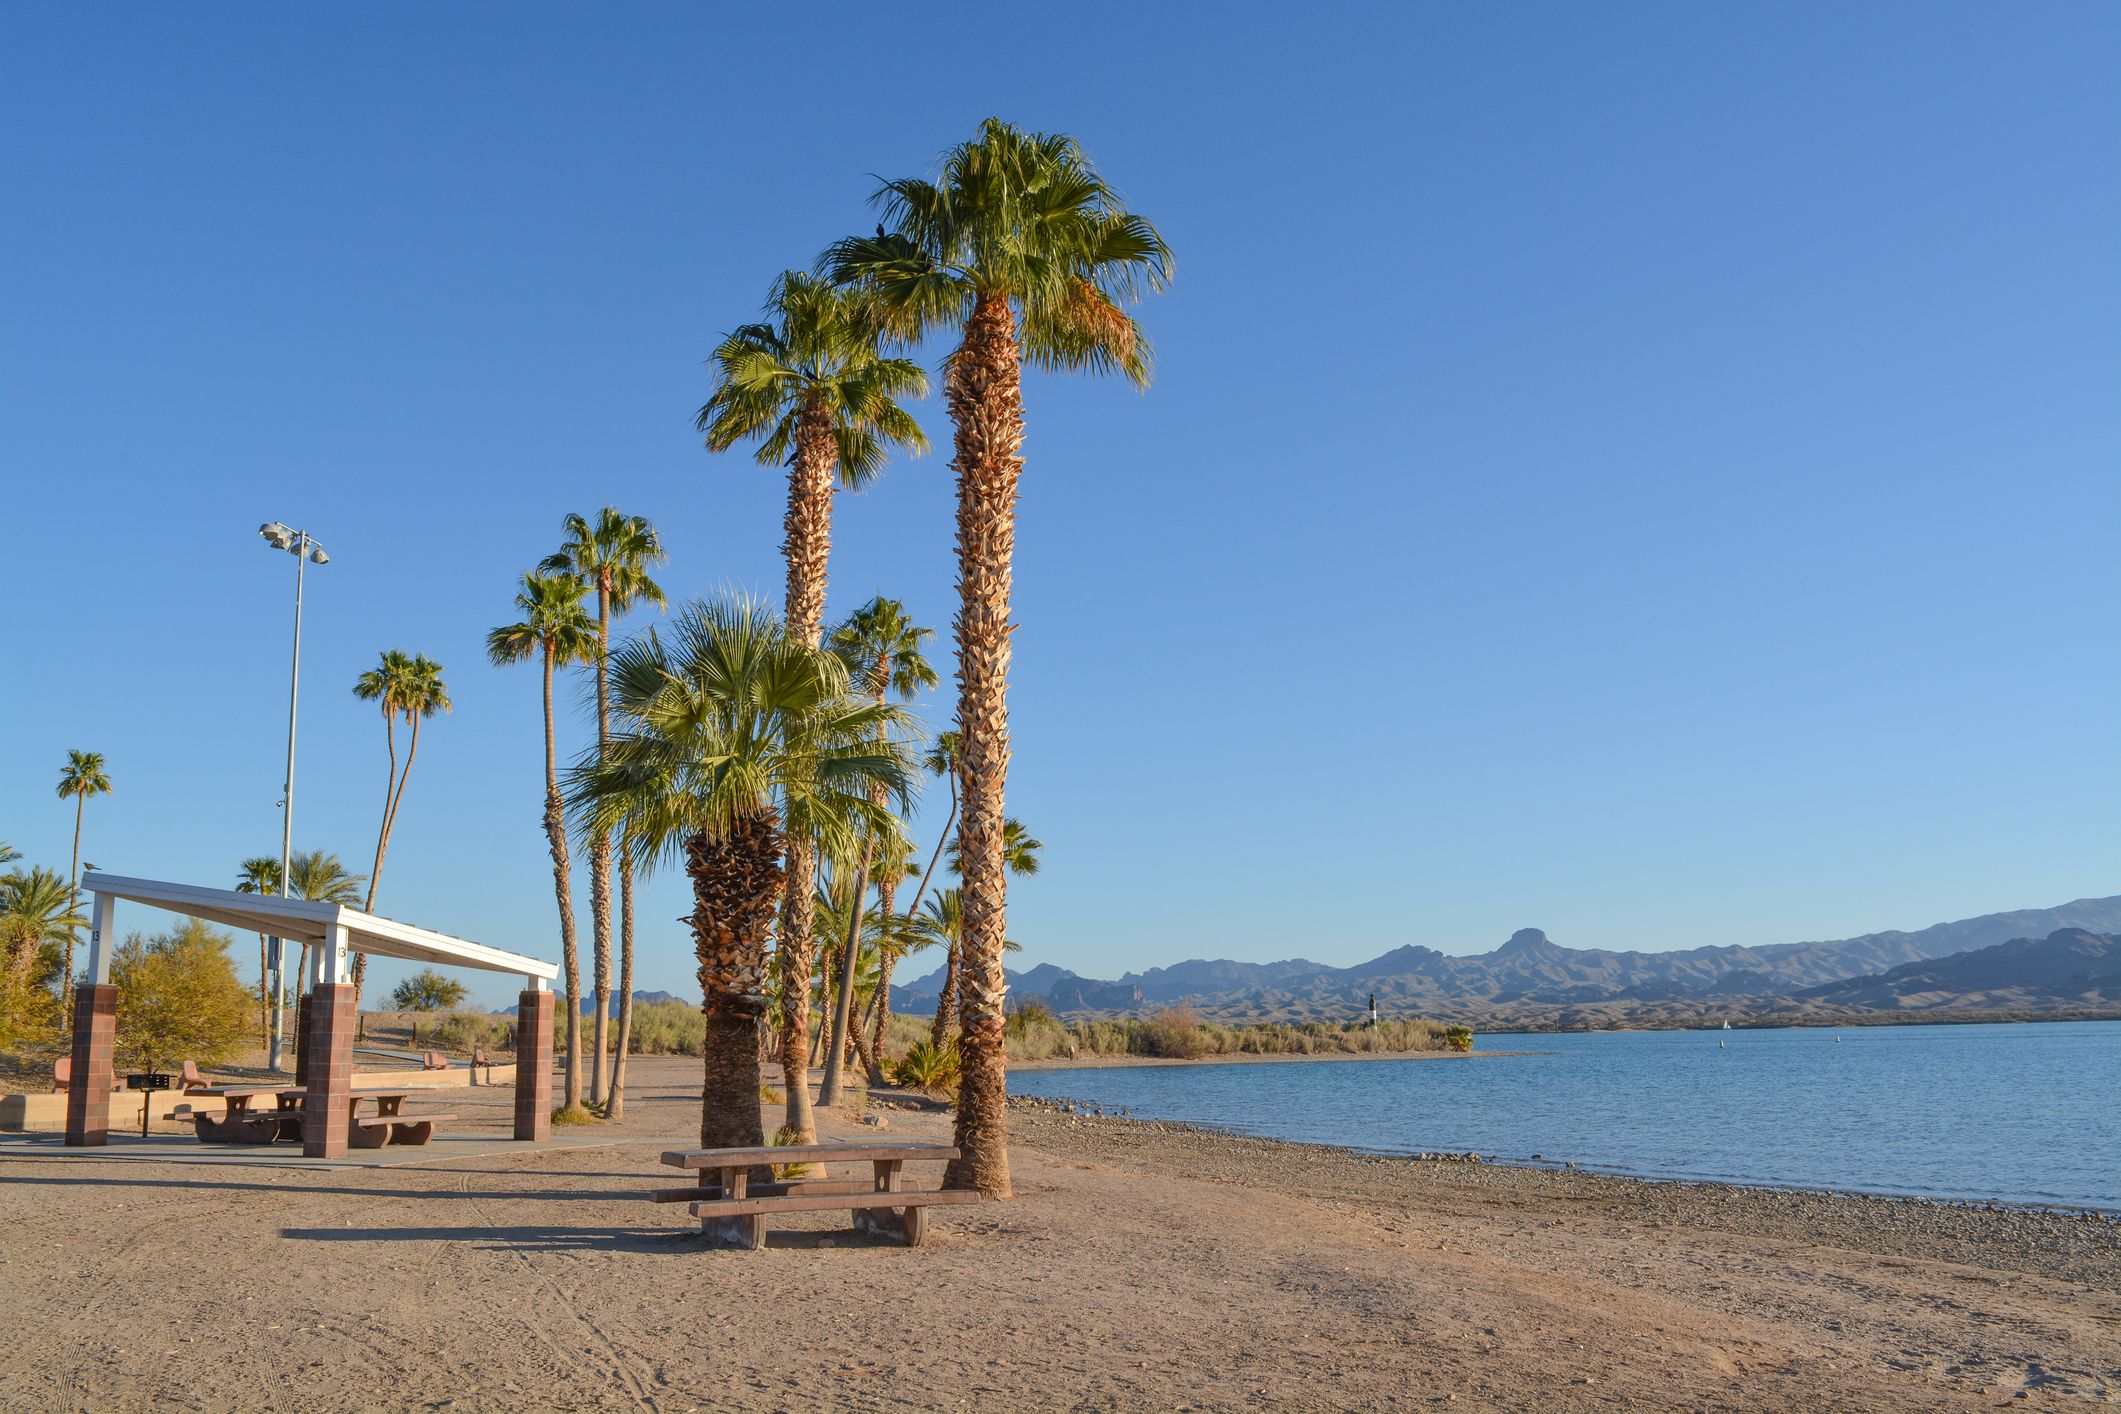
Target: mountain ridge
<point>1531,976</point>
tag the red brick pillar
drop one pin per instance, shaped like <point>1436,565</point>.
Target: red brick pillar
<point>88,1090</point>
<point>328,1039</point>
<point>534,1013</point>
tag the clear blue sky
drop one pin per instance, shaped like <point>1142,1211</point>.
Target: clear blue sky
<point>1642,471</point>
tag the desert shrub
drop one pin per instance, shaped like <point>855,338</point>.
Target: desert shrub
<point>771,1095</point>
<point>1174,1034</point>
<point>1031,1033</point>
<point>179,999</point>
<point>927,1067</point>
<point>460,1031</point>
<point>429,990</point>
<point>1459,1038</point>
<point>666,1029</point>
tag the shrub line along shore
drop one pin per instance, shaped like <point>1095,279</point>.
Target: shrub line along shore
<point>1255,1058</point>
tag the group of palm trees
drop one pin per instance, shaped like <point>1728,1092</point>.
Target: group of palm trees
<point>759,756</point>
<point>40,912</point>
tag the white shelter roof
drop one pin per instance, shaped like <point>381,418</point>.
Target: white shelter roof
<point>304,921</point>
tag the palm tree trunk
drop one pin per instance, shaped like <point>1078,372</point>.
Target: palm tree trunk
<point>806,546</point>
<point>73,906</point>
<point>615,1105</point>
<point>946,1004</point>
<point>736,881</point>
<point>850,960</point>
<point>798,911</point>
<point>563,892</point>
<point>600,858</point>
<point>393,790</point>
<point>985,389</point>
<point>264,996</point>
<point>880,1003</point>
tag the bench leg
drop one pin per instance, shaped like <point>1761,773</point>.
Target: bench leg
<point>373,1136</point>
<point>907,1225</point>
<point>412,1132</point>
<point>745,1234</point>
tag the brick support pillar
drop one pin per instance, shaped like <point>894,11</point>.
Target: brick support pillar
<point>88,1089</point>
<point>328,1043</point>
<point>534,1014</point>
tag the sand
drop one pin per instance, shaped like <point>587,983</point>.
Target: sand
<point>1142,1266</point>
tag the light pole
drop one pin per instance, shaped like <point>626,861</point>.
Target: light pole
<point>306,551</point>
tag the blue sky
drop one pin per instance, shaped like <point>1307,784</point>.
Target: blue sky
<point>1643,471</point>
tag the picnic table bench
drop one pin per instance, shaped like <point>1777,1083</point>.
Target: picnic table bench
<point>243,1125</point>
<point>727,1202</point>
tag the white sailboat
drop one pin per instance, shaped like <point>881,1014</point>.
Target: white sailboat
<point>1726,1023</point>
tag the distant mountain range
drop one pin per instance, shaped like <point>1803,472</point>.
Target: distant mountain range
<point>1531,980</point>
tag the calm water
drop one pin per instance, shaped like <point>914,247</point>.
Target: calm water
<point>2027,1113</point>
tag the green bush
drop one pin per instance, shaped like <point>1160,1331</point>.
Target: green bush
<point>926,1067</point>
<point>429,990</point>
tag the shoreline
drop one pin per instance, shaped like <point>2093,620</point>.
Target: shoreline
<point>1254,1058</point>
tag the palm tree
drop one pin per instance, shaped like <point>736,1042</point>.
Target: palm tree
<point>81,777</point>
<point>36,910</point>
<point>260,874</point>
<point>611,555</point>
<point>813,386</point>
<point>881,647</point>
<point>557,628</point>
<point>411,688</point>
<point>1030,255</point>
<point>8,853</point>
<point>726,721</point>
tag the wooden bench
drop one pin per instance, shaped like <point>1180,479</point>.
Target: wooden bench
<point>733,1209</point>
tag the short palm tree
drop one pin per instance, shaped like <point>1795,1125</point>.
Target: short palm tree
<point>1026,253</point>
<point>612,556</point>
<point>813,386</point>
<point>557,629</point>
<point>313,874</point>
<point>881,646</point>
<point>412,688</point>
<point>81,777</point>
<point>725,720</point>
<point>36,911</point>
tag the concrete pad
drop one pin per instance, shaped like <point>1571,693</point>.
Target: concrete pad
<point>169,1149</point>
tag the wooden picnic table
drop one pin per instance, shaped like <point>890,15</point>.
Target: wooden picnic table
<point>727,1202</point>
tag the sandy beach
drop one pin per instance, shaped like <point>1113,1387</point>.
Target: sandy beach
<point>1142,1266</point>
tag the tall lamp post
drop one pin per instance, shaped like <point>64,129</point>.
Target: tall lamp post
<point>306,552</point>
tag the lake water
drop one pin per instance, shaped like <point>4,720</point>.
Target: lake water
<point>2019,1113</point>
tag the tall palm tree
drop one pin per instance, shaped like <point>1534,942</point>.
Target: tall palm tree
<point>81,777</point>
<point>8,853</point>
<point>558,630</point>
<point>814,387</point>
<point>1023,249</point>
<point>260,874</point>
<point>36,910</point>
<point>727,720</point>
<point>612,556</point>
<point>881,646</point>
<point>412,688</point>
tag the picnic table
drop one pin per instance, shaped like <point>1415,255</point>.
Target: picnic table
<point>390,1124</point>
<point>730,1205</point>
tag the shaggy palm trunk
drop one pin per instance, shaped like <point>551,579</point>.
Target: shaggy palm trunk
<point>807,548</point>
<point>736,881</point>
<point>615,1107</point>
<point>600,858</point>
<point>563,892</point>
<point>986,404</point>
